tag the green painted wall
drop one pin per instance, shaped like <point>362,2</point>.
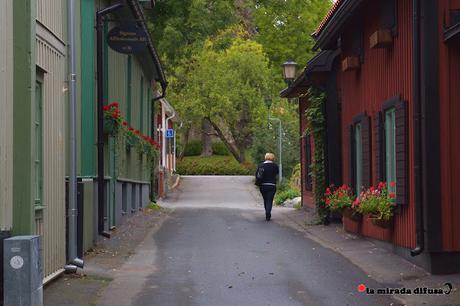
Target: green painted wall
<point>24,94</point>
<point>87,88</point>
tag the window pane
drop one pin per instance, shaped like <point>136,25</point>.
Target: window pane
<point>390,147</point>
<point>38,144</point>
<point>359,158</point>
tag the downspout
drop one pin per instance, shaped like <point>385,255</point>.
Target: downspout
<point>100,114</point>
<point>74,260</point>
<point>417,127</point>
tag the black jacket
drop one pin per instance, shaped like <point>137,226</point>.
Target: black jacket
<point>270,172</point>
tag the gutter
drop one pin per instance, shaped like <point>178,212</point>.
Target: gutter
<point>417,127</point>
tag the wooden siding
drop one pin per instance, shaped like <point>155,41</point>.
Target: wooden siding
<point>52,226</point>
<point>6,115</point>
<point>449,82</point>
<point>384,73</point>
<point>51,14</point>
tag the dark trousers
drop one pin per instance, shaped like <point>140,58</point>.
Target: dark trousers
<point>268,193</point>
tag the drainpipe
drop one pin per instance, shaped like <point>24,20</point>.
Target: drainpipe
<point>74,260</point>
<point>420,231</point>
<point>100,115</point>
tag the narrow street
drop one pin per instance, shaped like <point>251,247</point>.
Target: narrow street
<point>217,249</point>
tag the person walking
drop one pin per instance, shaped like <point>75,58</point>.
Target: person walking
<point>266,179</point>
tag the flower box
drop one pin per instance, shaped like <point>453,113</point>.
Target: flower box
<point>381,39</point>
<point>382,223</point>
<point>375,231</point>
<point>351,225</point>
<point>352,214</point>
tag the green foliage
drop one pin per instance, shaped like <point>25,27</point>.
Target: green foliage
<point>265,139</point>
<point>288,194</point>
<point>219,148</point>
<point>193,148</point>
<point>214,165</point>
<point>154,206</point>
<point>285,27</point>
<point>316,127</point>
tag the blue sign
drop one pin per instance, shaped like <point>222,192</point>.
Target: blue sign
<point>169,133</point>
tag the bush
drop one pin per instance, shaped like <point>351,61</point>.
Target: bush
<point>219,148</point>
<point>193,148</point>
<point>287,194</point>
<point>213,165</point>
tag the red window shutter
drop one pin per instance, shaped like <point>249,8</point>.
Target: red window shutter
<point>402,140</point>
<point>366,142</point>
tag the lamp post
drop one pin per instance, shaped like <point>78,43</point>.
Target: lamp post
<point>268,103</point>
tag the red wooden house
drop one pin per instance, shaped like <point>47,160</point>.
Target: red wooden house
<point>391,72</point>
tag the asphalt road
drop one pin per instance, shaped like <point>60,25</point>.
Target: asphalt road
<point>217,249</point>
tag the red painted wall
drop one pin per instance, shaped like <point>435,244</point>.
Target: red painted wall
<point>385,73</point>
<point>449,65</point>
<point>307,195</point>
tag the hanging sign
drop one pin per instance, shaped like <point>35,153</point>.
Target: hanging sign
<point>127,39</point>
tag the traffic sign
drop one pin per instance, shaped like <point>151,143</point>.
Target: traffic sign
<point>170,133</point>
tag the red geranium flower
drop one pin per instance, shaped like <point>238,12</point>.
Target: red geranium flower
<point>393,184</point>
<point>125,123</point>
<point>105,107</point>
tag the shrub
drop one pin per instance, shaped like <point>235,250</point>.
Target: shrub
<point>193,148</point>
<point>213,165</point>
<point>219,148</point>
<point>288,194</point>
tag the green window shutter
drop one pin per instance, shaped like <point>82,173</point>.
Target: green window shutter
<point>141,106</point>
<point>390,147</point>
<point>128,89</point>
<point>38,144</point>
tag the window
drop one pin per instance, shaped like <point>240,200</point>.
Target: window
<point>359,159</point>
<point>390,147</point>
<point>360,153</point>
<point>38,143</point>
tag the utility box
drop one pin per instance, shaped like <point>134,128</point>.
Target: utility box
<point>23,274</point>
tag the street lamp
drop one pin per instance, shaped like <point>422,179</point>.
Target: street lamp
<point>289,71</point>
<point>268,103</point>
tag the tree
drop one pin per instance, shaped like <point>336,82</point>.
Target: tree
<point>284,27</point>
<point>227,86</point>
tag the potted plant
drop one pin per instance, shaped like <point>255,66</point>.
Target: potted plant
<point>112,118</point>
<point>378,203</point>
<point>341,199</point>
